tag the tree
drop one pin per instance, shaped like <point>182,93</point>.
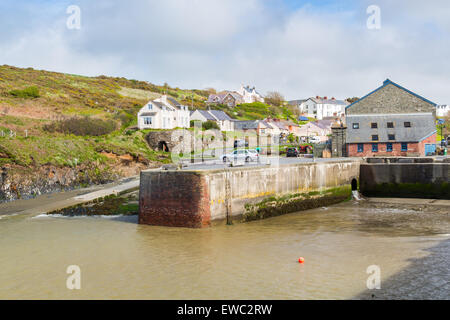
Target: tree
<point>274,98</point>
<point>208,125</point>
<point>445,127</point>
<point>211,90</point>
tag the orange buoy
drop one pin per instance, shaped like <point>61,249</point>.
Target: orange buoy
<point>301,260</point>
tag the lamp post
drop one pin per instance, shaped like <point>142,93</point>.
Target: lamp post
<point>441,122</point>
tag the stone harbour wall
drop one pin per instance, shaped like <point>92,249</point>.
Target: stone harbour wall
<point>406,180</point>
<point>199,198</point>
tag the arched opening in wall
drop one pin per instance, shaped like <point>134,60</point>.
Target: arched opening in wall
<point>162,146</point>
<point>354,185</point>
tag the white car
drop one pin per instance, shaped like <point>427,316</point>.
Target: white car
<point>314,139</point>
<point>241,154</point>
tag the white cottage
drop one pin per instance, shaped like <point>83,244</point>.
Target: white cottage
<point>249,94</point>
<point>320,108</point>
<point>163,113</point>
<point>443,110</point>
<point>223,120</point>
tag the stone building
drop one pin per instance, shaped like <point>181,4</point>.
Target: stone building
<point>391,121</point>
<point>228,98</point>
<point>338,139</point>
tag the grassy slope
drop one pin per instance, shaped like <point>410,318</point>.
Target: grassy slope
<point>63,95</point>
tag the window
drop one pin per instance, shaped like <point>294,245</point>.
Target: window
<point>374,147</point>
<point>389,147</point>
<point>360,147</point>
<point>150,106</point>
<point>374,125</point>
<point>390,124</point>
<point>356,126</point>
<point>147,120</point>
<point>391,136</point>
<point>404,146</point>
<point>408,124</point>
<point>374,137</point>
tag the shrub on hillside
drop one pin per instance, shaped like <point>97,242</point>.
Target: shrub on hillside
<point>208,125</point>
<point>82,126</point>
<point>30,92</point>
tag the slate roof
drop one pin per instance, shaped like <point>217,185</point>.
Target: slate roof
<point>278,124</point>
<point>245,125</point>
<point>329,101</point>
<point>296,102</point>
<point>173,102</point>
<point>220,115</point>
<point>207,115</point>
<point>222,95</point>
<point>324,124</point>
<point>422,126</point>
<point>158,104</point>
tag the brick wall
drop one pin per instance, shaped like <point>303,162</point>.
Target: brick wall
<point>174,200</point>
<point>422,144</point>
<point>414,149</point>
<point>196,199</point>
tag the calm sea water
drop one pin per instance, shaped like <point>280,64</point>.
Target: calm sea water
<point>120,259</point>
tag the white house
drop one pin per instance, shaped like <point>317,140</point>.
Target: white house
<point>224,121</point>
<point>320,108</point>
<point>250,94</point>
<point>443,110</point>
<point>163,113</point>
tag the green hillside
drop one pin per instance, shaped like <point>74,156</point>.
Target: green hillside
<point>34,104</point>
<point>37,109</point>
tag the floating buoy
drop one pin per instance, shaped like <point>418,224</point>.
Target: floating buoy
<point>301,260</point>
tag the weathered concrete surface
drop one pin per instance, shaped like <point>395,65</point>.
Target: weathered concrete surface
<point>60,200</point>
<point>196,198</point>
<point>407,180</point>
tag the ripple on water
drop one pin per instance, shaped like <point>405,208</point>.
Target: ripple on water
<point>256,260</point>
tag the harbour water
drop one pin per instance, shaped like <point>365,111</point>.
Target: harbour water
<point>120,259</point>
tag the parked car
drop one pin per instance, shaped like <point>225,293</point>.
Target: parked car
<point>314,139</point>
<point>241,154</point>
<point>292,152</point>
<point>305,149</point>
<point>240,143</point>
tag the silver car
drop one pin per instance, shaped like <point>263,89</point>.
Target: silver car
<point>241,154</point>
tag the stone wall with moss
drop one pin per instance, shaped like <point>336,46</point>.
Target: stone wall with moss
<point>406,180</point>
<point>201,198</point>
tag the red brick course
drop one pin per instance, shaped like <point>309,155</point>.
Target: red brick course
<point>174,200</point>
<point>414,149</point>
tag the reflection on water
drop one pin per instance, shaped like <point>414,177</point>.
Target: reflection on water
<point>257,260</point>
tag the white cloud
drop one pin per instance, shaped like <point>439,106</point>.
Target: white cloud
<point>202,43</point>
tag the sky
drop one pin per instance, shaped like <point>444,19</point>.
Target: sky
<point>297,47</point>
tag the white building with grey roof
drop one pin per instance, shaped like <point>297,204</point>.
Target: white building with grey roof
<point>223,120</point>
<point>322,107</point>
<point>250,95</point>
<point>163,113</point>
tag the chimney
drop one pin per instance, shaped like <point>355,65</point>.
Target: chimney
<point>164,98</point>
